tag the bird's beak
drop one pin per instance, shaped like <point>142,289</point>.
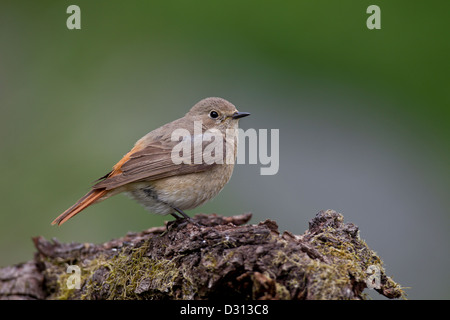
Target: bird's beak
<point>238,115</point>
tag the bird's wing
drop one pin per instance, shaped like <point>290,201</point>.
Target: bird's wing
<point>151,162</point>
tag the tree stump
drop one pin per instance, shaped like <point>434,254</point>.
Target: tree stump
<point>213,258</point>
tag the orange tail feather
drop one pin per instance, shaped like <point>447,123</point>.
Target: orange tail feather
<point>90,198</point>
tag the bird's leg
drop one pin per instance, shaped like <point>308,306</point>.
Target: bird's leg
<point>170,224</point>
<point>179,220</point>
<point>185,216</point>
<point>177,217</point>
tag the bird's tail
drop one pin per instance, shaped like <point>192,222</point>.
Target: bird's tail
<point>90,198</point>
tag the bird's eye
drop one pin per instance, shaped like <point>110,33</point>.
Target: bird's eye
<point>213,114</point>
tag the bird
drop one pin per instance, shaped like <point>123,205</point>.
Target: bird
<point>151,173</point>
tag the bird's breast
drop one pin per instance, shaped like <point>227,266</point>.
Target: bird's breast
<point>184,191</point>
<point>191,190</point>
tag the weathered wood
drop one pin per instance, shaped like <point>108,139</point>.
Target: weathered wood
<point>215,257</point>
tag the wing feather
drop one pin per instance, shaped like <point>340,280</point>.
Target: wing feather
<point>151,163</point>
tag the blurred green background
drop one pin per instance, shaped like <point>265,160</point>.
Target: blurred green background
<point>363,116</point>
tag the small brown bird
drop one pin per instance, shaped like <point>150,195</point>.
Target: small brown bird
<point>153,174</point>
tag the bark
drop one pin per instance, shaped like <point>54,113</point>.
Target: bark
<point>213,258</point>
